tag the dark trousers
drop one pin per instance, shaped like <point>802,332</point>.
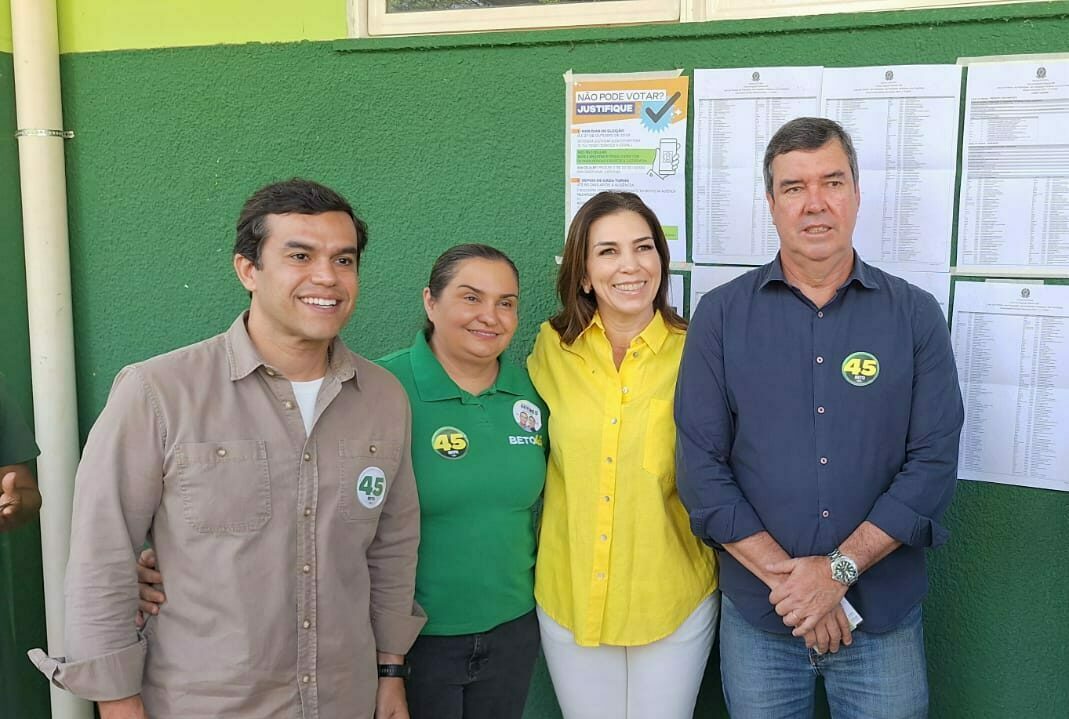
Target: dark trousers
<point>474,676</point>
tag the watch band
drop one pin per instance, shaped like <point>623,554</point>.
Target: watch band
<point>400,671</point>
<point>843,568</point>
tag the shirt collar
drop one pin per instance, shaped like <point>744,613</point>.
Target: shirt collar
<point>245,359</point>
<point>864,274</point>
<point>654,334</point>
<point>861,273</point>
<point>433,383</point>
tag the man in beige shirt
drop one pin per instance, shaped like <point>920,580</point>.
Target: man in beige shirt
<point>270,468</point>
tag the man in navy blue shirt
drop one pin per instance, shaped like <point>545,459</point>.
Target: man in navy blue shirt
<point>818,414</point>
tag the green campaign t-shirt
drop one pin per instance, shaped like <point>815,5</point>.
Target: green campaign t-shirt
<point>16,440</point>
<point>480,465</point>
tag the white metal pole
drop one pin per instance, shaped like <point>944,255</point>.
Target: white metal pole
<point>35,37</point>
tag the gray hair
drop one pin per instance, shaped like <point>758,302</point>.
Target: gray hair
<point>807,133</point>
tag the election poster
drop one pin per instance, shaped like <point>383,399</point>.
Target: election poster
<point>628,133</point>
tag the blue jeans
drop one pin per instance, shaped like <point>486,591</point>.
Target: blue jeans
<point>773,676</point>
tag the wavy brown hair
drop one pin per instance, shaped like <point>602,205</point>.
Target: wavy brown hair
<point>578,307</point>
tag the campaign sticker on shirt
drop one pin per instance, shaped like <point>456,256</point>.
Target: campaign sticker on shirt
<point>450,442</point>
<point>371,487</point>
<point>861,369</point>
<point>527,415</point>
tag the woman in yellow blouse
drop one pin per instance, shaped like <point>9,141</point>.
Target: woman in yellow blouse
<point>626,595</point>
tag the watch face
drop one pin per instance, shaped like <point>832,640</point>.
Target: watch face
<point>844,571</point>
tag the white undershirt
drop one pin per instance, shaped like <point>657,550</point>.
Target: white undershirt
<point>305,394</point>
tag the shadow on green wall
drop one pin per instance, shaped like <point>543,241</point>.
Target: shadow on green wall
<point>23,694</point>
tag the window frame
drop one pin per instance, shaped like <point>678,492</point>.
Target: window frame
<point>758,9</point>
<point>368,18</point>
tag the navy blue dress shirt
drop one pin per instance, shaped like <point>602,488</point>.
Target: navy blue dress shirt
<point>776,434</point>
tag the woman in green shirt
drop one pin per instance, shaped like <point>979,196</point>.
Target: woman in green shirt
<point>478,453</point>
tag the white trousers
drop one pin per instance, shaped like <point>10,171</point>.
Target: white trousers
<point>659,680</point>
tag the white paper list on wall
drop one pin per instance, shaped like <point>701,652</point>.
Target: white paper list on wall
<point>1013,215</point>
<point>704,279</point>
<point>1011,344</point>
<point>903,120</point>
<point>737,111</point>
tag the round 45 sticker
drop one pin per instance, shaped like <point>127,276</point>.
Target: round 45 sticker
<point>450,442</point>
<point>861,369</point>
<point>371,487</point>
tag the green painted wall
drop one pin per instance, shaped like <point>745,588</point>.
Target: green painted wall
<point>21,591</point>
<point>444,140</point>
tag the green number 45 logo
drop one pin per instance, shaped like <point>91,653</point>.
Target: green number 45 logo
<point>371,487</point>
<point>861,369</point>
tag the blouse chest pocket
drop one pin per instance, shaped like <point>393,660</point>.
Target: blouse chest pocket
<point>659,454</point>
<point>225,486</point>
<point>367,470</point>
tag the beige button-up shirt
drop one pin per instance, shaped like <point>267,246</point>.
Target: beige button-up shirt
<point>288,560</point>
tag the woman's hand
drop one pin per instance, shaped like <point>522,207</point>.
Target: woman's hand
<point>150,599</point>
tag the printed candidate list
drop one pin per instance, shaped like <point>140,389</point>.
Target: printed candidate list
<point>1014,206</point>
<point>738,111</point>
<point>903,120</point>
<point>1011,341</point>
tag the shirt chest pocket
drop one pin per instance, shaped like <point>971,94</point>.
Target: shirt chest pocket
<point>366,471</point>
<point>225,486</point>
<point>659,453</point>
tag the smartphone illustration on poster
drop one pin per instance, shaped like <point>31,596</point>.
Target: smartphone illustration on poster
<point>667,159</point>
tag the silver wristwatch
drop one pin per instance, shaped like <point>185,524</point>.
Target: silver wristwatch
<point>843,568</point>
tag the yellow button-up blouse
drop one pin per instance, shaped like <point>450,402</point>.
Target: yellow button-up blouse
<point>617,563</point>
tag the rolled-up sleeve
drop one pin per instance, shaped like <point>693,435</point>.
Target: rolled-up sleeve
<point>117,490</point>
<point>111,676</point>
<point>396,619</point>
<point>911,508</point>
<point>705,431</point>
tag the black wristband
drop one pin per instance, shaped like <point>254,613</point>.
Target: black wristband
<point>400,671</point>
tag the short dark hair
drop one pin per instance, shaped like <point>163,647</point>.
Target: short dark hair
<point>448,263</point>
<point>294,196</point>
<point>808,133</point>
<point>578,307</point>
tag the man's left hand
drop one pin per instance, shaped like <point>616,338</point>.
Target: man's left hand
<point>390,703</point>
<point>10,497</point>
<point>19,498</point>
<point>807,593</point>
